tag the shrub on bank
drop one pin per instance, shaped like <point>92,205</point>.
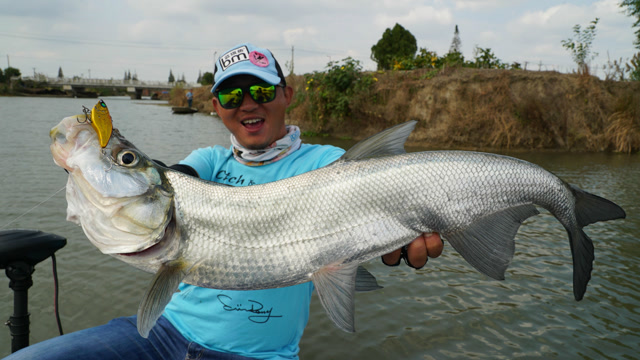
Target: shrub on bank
<point>332,94</point>
<point>473,108</point>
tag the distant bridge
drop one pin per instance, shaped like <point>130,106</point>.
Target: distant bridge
<point>134,87</point>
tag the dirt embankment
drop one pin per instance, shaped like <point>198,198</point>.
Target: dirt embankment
<point>485,109</point>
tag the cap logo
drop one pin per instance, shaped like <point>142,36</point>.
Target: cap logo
<point>234,56</point>
<point>258,59</point>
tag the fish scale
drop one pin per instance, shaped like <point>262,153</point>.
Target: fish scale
<point>318,226</point>
<point>408,205</point>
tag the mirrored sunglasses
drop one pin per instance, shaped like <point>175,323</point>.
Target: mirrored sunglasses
<point>231,98</point>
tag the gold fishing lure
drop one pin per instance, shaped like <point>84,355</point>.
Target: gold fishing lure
<point>101,122</point>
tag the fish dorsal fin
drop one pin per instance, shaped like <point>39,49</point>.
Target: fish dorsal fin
<point>164,284</point>
<point>336,287</point>
<point>388,142</point>
<point>488,243</point>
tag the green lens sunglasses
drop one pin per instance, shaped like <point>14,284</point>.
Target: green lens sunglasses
<point>231,98</point>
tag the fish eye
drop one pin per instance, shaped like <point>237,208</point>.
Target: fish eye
<point>127,158</point>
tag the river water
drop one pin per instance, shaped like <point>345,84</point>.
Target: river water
<point>447,310</point>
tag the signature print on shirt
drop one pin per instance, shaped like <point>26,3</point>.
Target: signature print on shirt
<point>260,314</point>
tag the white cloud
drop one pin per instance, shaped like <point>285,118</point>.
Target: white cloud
<point>556,16</point>
<point>482,4</point>
<point>299,35</point>
<point>152,36</point>
<point>489,36</point>
<point>416,16</point>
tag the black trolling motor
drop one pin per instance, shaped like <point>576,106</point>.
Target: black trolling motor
<point>20,251</point>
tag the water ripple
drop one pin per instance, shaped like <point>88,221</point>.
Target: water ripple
<point>445,311</point>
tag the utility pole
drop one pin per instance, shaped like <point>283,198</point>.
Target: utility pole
<point>291,70</point>
<point>8,62</point>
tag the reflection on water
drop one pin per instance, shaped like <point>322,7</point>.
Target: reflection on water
<point>446,310</point>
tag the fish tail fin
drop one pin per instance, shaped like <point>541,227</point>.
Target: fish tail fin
<point>592,208</point>
<point>589,209</point>
<point>583,256</point>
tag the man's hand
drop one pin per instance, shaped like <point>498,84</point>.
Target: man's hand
<point>418,252</point>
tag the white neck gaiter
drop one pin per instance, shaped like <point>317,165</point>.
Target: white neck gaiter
<point>274,152</point>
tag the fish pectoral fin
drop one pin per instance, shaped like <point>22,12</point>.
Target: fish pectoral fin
<point>336,287</point>
<point>164,284</point>
<point>365,281</point>
<point>488,243</point>
<point>387,142</point>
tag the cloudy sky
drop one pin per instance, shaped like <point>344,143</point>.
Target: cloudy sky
<point>103,39</point>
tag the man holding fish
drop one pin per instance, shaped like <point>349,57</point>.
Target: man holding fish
<point>251,97</point>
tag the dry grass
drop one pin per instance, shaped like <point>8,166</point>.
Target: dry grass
<point>483,109</point>
<point>496,109</point>
<point>623,130</point>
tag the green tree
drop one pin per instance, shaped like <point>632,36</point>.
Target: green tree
<point>10,72</point>
<point>332,94</point>
<point>633,9</point>
<point>486,59</point>
<point>395,45</point>
<point>172,79</point>
<point>207,78</point>
<point>580,45</point>
<point>452,59</point>
<point>2,79</point>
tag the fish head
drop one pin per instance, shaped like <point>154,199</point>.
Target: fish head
<point>120,197</point>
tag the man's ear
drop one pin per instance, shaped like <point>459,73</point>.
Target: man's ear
<point>216,105</point>
<point>288,94</point>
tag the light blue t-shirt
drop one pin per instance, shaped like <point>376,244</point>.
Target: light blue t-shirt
<point>263,324</point>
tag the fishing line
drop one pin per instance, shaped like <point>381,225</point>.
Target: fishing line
<point>33,208</point>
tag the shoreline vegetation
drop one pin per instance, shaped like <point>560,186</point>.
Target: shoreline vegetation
<point>457,107</point>
<point>471,109</point>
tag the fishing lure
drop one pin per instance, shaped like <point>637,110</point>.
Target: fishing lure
<point>101,122</point>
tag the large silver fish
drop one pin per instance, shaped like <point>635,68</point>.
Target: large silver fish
<point>318,226</point>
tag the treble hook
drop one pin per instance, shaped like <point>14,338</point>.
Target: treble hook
<point>109,158</point>
<point>87,118</point>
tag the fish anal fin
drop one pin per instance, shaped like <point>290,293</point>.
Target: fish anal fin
<point>365,281</point>
<point>488,243</point>
<point>388,142</point>
<point>336,286</point>
<point>164,284</point>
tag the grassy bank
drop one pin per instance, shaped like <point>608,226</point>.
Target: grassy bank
<point>473,109</point>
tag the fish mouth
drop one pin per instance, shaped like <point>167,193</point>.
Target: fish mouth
<point>60,155</point>
<point>71,135</point>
